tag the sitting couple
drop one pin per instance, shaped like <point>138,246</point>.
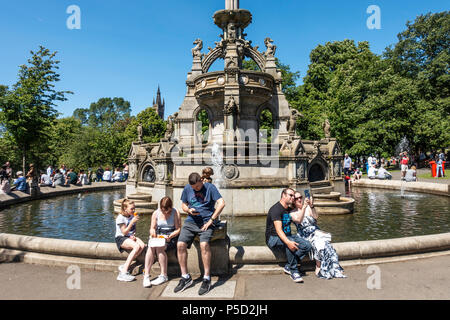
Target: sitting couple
<point>309,237</point>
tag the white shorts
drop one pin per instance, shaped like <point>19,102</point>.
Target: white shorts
<point>404,167</point>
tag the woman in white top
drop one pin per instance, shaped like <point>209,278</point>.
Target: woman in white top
<point>166,222</point>
<point>83,178</point>
<point>107,175</point>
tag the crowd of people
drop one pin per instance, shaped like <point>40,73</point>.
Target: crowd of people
<point>378,168</point>
<point>203,203</point>
<point>53,177</point>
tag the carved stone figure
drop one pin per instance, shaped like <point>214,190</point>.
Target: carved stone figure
<point>140,133</point>
<point>132,171</point>
<point>230,107</point>
<point>326,128</point>
<point>231,32</point>
<point>230,171</point>
<point>169,128</point>
<point>292,122</point>
<point>196,51</point>
<point>301,171</point>
<point>271,48</point>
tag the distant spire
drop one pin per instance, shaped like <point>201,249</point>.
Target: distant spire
<point>158,97</point>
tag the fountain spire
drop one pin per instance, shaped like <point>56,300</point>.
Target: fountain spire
<point>231,4</point>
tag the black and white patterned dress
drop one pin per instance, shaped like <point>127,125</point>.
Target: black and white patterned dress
<point>321,248</point>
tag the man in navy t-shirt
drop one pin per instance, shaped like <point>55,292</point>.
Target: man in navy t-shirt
<point>199,201</point>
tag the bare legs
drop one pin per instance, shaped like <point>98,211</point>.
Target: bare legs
<point>205,252</point>
<point>136,248</point>
<point>317,267</point>
<point>150,258</point>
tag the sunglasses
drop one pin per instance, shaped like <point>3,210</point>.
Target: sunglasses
<point>290,194</point>
<point>298,198</point>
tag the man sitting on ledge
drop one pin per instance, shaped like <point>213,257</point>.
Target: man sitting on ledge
<point>198,200</point>
<point>279,238</point>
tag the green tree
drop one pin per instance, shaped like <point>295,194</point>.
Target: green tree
<point>312,98</point>
<point>153,127</point>
<point>104,113</point>
<point>422,53</point>
<point>28,107</point>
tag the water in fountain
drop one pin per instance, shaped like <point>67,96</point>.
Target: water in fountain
<point>219,182</point>
<point>402,189</point>
<point>217,164</point>
<point>402,146</point>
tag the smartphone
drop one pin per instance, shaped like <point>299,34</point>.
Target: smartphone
<point>307,194</point>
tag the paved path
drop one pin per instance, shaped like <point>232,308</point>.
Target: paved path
<point>426,278</point>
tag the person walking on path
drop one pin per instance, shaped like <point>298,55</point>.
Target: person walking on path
<point>279,238</point>
<point>198,201</point>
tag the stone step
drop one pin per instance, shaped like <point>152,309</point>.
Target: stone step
<point>327,196</point>
<point>138,204</point>
<point>140,197</point>
<point>141,211</point>
<point>323,190</point>
<point>319,184</point>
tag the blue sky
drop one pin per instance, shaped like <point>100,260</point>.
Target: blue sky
<point>127,48</point>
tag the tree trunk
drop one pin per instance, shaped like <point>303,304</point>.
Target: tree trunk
<point>23,161</point>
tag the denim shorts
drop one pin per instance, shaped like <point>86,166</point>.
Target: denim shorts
<point>190,230</point>
<point>119,241</point>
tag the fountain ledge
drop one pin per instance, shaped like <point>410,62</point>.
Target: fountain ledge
<point>417,186</point>
<point>225,259</point>
<point>46,192</point>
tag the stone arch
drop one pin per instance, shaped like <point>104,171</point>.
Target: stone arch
<point>256,56</point>
<point>147,172</point>
<point>210,119</point>
<point>275,119</point>
<point>317,170</point>
<point>210,58</point>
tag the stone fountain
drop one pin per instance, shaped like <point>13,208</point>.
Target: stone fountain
<point>253,170</point>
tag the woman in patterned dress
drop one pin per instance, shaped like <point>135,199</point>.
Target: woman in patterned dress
<point>305,218</point>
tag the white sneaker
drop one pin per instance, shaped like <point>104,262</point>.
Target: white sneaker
<point>160,280</point>
<point>147,283</point>
<point>121,268</point>
<point>125,277</point>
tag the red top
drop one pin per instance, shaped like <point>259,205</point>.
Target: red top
<point>405,160</point>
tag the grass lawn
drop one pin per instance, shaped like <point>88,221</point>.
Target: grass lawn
<point>428,176</point>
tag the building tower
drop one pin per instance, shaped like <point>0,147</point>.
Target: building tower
<point>158,105</point>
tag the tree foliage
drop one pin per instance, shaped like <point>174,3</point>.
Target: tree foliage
<point>28,107</point>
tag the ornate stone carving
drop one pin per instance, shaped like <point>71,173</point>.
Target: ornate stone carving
<point>301,170</point>
<point>196,51</point>
<point>139,132</point>
<point>220,80</point>
<point>160,174</point>
<point>327,128</point>
<point>230,171</point>
<point>337,168</point>
<point>243,79</point>
<point>132,171</point>
<point>169,128</point>
<point>271,48</point>
<point>149,174</point>
<point>292,122</point>
<point>231,31</point>
<point>230,107</point>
